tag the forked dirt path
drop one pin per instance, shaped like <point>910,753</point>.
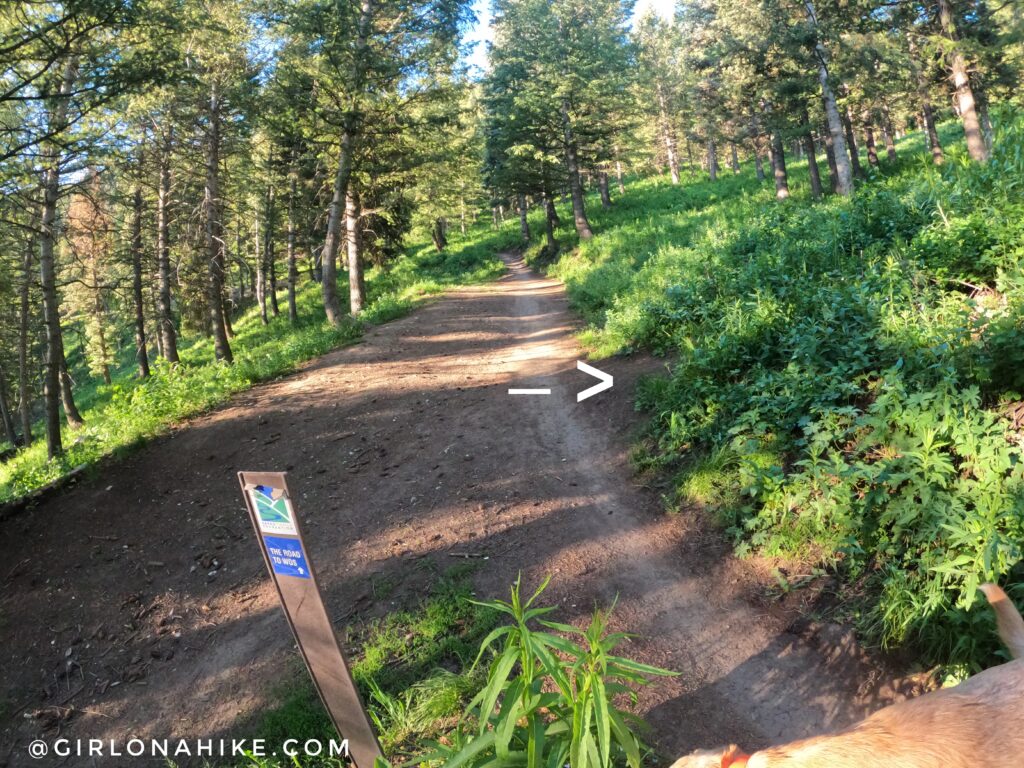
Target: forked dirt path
<point>138,602</point>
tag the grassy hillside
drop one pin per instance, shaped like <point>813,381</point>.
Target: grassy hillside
<point>841,372</point>
<point>129,411</point>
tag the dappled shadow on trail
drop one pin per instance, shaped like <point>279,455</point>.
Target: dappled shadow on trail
<point>406,455</point>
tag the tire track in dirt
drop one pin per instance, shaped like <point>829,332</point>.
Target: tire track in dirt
<point>144,589</point>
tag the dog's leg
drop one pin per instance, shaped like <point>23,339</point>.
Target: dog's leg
<point>1008,619</point>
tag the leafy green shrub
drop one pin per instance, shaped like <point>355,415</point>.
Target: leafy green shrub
<point>549,701</point>
<point>389,306</point>
<point>840,372</point>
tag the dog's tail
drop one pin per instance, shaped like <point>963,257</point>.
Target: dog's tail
<point>1008,619</point>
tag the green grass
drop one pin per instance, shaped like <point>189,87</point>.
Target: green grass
<point>126,413</point>
<point>839,371</point>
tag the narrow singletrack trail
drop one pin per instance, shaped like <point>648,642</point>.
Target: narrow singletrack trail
<point>144,591</point>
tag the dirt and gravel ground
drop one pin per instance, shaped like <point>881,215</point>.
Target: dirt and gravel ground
<point>137,604</point>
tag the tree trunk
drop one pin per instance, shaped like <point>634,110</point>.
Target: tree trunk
<point>275,308</point>
<point>5,412</point>
<point>734,157</point>
<point>316,264</point>
<point>812,160</point>
<point>462,208</point>
<point>928,114</point>
<point>154,332</point>
<point>438,236</point>
<point>552,211</point>
<point>830,156</point>
<point>57,119</point>
<point>869,142</point>
<point>335,225</point>
<point>668,136</point>
<point>981,103</point>
<point>524,225</point>
<point>141,354</point>
<point>261,272</point>
<point>618,172</point>
<point>712,159</point>
<point>269,257</point>
<point>24,310</point>
<point>890,145</point>
<point>293,274</point>
<point>227,302</point>
<point>99,317</point>
<point>851,146</point>
<point>888,135</point>
<point>168,337</point>
<point>71,414</point>
<point>926,120</point>
<point>550,221</point>
<point>844,173</point>
<point>962,84</point>
<point>572,168</point>
<point>354,238</point>
<point>213,231</point>
<point>240,262</point>
<point>779,167</point>
<point>983,117</point>
<point>602,184</point>
<point>755,141</point>
<point>226,312</point>
<point>250,272</point>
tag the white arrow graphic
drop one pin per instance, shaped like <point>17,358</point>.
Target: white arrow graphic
<point>606,381</point>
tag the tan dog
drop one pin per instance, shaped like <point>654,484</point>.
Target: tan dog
<point>977,724</point>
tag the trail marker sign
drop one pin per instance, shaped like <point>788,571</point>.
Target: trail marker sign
<point>280,536</point>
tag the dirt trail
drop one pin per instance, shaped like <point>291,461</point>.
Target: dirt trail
<point>139,598</point>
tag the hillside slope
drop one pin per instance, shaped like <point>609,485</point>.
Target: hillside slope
<point>845,374</point>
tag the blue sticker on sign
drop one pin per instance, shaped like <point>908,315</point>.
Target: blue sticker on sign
<point>287,557</point>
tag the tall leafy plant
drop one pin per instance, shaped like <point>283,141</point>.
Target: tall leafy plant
<point>550,700</point>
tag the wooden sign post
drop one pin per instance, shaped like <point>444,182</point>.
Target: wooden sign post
<point>280,537</point>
